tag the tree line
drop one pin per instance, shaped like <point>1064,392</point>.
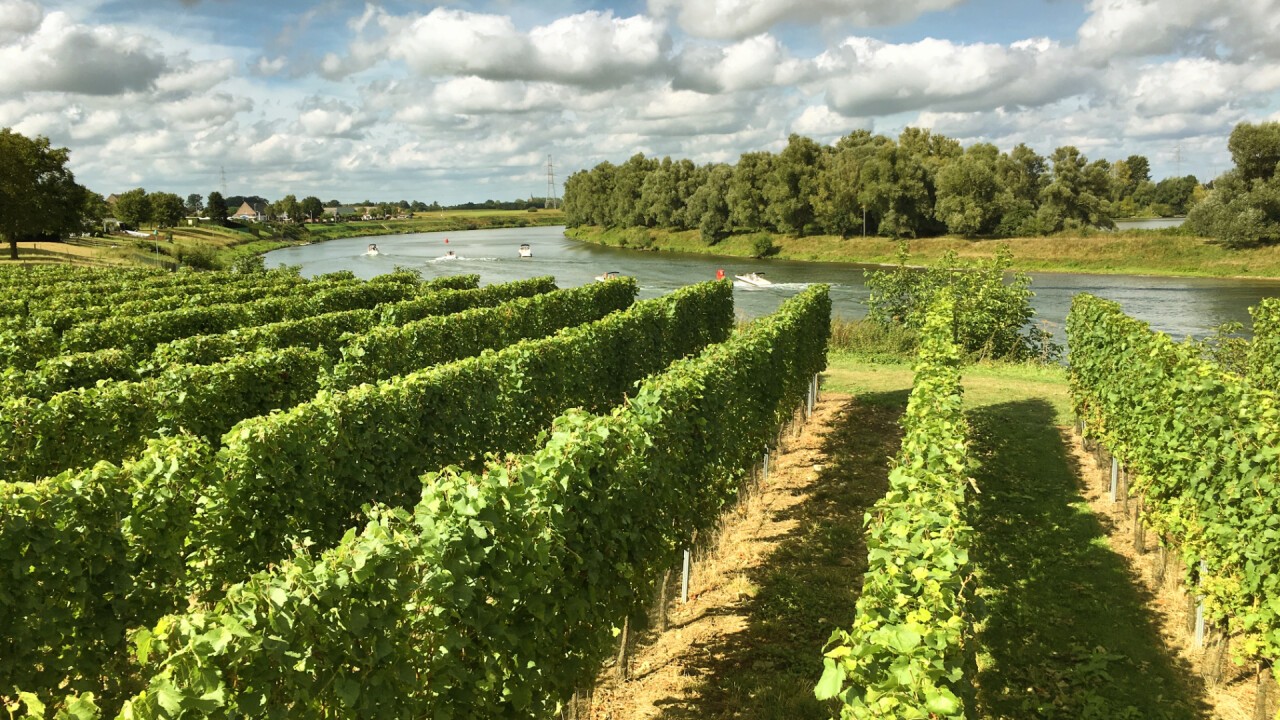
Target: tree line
<point>922,184</point>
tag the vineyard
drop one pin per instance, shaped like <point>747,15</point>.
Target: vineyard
<point>1201,445</point>
<point>254,495</point>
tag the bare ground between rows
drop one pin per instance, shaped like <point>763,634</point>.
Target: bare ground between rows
<point>783,571</point>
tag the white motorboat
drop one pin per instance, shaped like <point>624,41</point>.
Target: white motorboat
<point>449,256</point>
<point>373,249</point>
<point>608,275</point>
<point>755,279</point>
<point>526,251</point>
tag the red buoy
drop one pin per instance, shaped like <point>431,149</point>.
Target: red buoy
<point>719,273</point>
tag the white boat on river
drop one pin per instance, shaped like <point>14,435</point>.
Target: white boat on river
<point>755,279</point>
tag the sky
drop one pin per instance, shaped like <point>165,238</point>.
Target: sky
<point>465,101</point>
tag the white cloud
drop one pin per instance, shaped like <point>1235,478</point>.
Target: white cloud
<point>270,66</point>
<point>61,55</point>
<point>754,63</point>
<point>592,48</point>
<point>868,77</point>
<point>195,77</point>
<point>742,18</point>
<point>204,111</point>
<point>321,117</point>
<point>476,96</point>
<point>18,18</point>
<point>1240,28</point>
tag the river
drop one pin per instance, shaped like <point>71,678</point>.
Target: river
<point>1178,306</point>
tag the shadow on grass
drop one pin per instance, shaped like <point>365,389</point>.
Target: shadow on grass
<point>808,586</point>
<point>1063,631</point>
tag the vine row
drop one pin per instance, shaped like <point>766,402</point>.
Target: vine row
<point>500,593</point>
<point>300,474</point>
<point>903,657</point>
<point>1203,446</point>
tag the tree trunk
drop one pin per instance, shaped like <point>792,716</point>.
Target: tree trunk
<point>13,249</point>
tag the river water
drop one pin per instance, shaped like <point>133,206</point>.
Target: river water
<point>1179,306</point>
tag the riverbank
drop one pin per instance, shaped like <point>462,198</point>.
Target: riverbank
<point>1137,252</point>
<point>210,246</point>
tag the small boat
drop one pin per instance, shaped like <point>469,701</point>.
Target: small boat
<point>526,251</point>
<point>373,249</point>
<point>755,279</point>
<point>449,256</point>
<point>608,275</point>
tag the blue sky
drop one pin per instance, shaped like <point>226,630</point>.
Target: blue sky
<point>464,101</point>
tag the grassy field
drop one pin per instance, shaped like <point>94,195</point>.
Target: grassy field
<point>1136,252</point>
<point>208,246</point>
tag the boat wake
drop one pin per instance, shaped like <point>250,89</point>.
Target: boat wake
<point>461,259</point>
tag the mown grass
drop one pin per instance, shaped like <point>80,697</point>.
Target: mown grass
<point>1062,630</point>
<point>1132,252</point>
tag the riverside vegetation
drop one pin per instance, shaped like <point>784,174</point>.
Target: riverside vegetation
<point>847,202</point>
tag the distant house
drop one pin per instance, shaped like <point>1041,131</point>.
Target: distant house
<point>342,211</point>
<point>245,212</point>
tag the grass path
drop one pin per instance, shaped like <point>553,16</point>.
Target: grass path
<point>1064,630</point>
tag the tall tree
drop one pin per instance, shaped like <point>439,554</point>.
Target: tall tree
<point>708,207</point>
<point>1139,169</point>
<point>896,192</point>
<point>290,208</point>
<point>93,211</point>
<point>1023,174</point>
<point>133,207</point>
<point>217,208</point>
<point>624,200</point>
<point>746,191</point>
<point>38,193</point>
<point>312,207</point>
<point>789,189</point>
<point>195,204</point>
<point>665,192</point>
<point>167,209</point>
<point>836,206</point>
<point>1072,198</point>
<point>969,192</point>
<point>1255,149</point>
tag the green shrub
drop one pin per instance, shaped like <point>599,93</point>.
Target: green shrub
<point>992,317</point>
<point>762,245</point>
<point>200,257</point>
